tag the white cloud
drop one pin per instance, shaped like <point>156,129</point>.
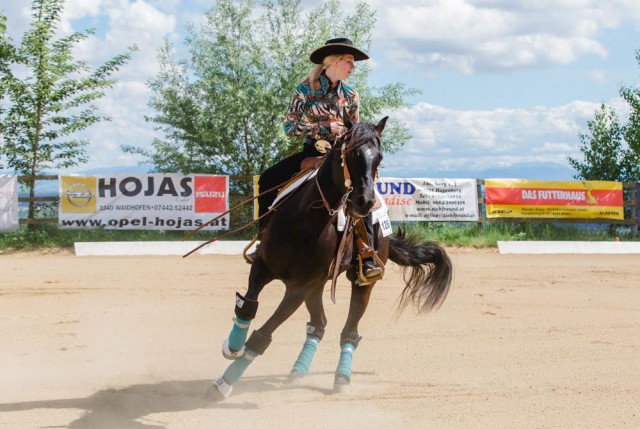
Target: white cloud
<point>447,139</point>
<point>126,23</point>
<point>495,35</point>
<point>76,9</point>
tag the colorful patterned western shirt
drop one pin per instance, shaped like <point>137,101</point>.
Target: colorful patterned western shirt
<point>313,109</point>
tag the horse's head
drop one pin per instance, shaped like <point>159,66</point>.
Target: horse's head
<point>362,154</point>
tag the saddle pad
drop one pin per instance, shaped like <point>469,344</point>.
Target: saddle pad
<point>294,184</point>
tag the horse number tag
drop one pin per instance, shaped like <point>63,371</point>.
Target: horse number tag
<point>385,225</point>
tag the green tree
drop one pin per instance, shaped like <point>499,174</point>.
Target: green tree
<point>6,59</point>
<point>52,99</point>
<point>6,53</point>
<point>606,156</point>
<point>222,110</point>
<point>632,128</point>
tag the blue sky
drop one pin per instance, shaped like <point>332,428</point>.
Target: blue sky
<point>507,85</point>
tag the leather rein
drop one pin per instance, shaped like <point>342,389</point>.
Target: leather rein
<point>344,150</point>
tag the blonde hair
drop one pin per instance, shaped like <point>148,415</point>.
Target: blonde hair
<point>328,61</point>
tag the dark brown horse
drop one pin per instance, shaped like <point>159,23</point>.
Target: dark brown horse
<point>298,247</point>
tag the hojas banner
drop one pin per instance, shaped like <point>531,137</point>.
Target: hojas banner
<point>146,201</point>
<point>9,220</point>
<point>523,198</point>
<point>430,199</point>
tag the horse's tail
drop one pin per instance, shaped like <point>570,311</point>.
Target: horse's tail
<point>428,272</point>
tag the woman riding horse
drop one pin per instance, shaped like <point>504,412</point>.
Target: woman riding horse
<point>302,241</point>
<point>317,113</point>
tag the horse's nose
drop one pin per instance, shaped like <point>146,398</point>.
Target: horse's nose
<point>363,204</point>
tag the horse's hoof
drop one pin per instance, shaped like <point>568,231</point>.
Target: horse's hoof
<point>294,379</point>
<point>228,353</point>
<point>341,385</point>
<point>218,390</point>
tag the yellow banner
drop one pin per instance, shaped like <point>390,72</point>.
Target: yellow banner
<point>522,198</point>
<point>256,192</point>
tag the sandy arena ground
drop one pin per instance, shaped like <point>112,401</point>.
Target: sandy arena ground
<point>133,342</point>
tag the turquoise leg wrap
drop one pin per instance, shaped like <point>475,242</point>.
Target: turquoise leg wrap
<point>346,356</point>
<point>303,363</point>
<point>238,367</point>
<point>238,335</point>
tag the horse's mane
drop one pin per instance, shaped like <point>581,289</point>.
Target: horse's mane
<point>360,133</point>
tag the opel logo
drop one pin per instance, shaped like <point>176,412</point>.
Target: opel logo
<point>78,195</point>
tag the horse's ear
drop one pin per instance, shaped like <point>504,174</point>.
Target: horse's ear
<point>347,121</point>
<point>381,125</point>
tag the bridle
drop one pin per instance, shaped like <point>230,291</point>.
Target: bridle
<point>345,149</point>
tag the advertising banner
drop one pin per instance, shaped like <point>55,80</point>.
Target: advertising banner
<point>145,201</point>
<point>449,200</point>
<point>9,220</point>
<point>522,198</point>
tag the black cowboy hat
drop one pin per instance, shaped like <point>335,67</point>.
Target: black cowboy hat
<point>339,46</point>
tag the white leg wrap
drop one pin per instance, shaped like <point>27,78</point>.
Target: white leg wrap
<point>228,354</point>
<point>223,387</point>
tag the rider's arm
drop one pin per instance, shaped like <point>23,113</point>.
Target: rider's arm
<point>298,122</point>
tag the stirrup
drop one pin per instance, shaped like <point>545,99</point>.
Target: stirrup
<point>251,256</point>
<point>374,274</point>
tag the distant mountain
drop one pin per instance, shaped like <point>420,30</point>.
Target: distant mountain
<point>132,169</point>
<point>531,170</point>
<point>49,188</point>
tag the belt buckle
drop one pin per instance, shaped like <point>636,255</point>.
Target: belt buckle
<point>322,146</point>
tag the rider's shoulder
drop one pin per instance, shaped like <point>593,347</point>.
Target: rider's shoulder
<point>304,87</point>
<point>349,89</point>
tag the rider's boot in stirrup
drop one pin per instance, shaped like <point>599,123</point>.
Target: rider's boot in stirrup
<point>370,268</point>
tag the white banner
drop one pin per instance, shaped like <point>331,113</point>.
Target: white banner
<point>449,200</point>
<point>145,201</point>
<point>9,220</point>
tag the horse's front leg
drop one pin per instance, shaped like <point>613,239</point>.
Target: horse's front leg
<point>315,332</point>
<point>349,338</point>
<point>257,343</point>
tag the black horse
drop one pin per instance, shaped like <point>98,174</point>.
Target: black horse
<point>298,248</point>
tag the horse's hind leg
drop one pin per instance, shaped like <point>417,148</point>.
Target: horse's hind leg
<point>258,342</point>
<point>315,332</point>
<point>349,338</point>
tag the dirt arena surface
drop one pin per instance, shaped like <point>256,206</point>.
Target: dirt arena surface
<point>522,341</point>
